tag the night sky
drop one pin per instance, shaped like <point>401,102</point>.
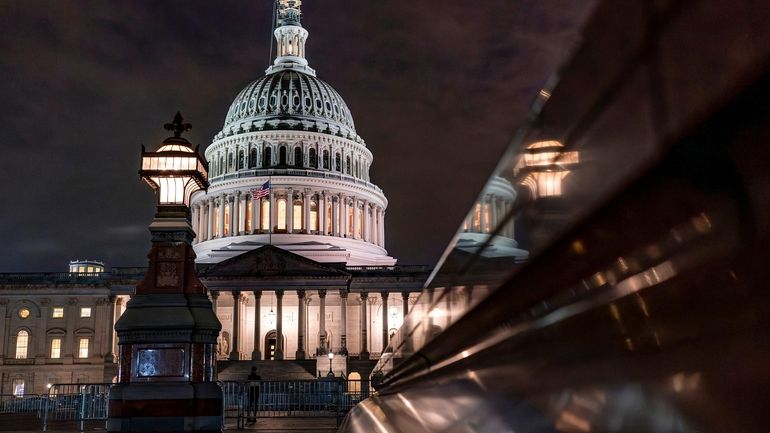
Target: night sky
<point>436,89</point>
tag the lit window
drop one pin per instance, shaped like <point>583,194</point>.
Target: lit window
<point>281,214</point>
<point>216,222</point>
<point>85,312</point>
<point>296,223</point>
<point>314,215</point>
<point>486,217</point>
<point>350,222</point>
<point>18,387</point>
<point>265,223</point>
<point>22,342</point>
<point>360,223</point>
<point>56,348</point>
<point>83,348</point>
<point>227,219</point>
<point>477,218</point>
<point>247,216</point>
<point>90,269</point>
<point>58,312</point>
<point>24,313</point>
<point>329,221</point>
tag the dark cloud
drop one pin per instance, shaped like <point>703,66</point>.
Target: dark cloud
<point>435,91</point>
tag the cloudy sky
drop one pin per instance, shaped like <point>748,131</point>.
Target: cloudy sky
<point>436,90</point>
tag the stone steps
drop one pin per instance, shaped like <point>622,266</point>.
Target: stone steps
<point>238,371</point>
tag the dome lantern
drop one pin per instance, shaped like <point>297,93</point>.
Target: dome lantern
<point>290,39</point>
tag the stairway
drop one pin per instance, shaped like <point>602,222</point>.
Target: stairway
<point>238,371</point>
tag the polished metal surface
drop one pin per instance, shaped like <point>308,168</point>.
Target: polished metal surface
<point>643,204</point>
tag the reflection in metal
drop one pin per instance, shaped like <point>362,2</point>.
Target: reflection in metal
<point>639,304</point>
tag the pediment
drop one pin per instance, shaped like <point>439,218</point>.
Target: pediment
<point>270,261</point>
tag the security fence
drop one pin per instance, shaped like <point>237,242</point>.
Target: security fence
<point>243,402</point>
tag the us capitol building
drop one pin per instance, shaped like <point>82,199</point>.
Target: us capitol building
<point>290,242</point>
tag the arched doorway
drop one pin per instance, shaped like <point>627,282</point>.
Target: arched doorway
<point>271,343</point>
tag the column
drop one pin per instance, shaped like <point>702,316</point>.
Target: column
<point>364,352</point>
<point>5,321</point>
<point>256,214</point>
<point>344,207</point>
<point>343,322</point>
<point>235,352</point>
<point>210,231</point>
<point>306,209</point>
<point>483,220</point>
<point>109,357</point>
<point>322,340</point>
<point>221,222</point>
<point>214,297</point>
<point>405,307</point>
<point>336,215</point>
<point>492,213</point>
<point>256,354</point>
<point>279,326</point>
<point>356,219</point>
<point>273,220</point>
<point>235,215</point>
<point>365,222</point>
<point>301,319</point>
<point>289,211</point>
<point>242,214</point>
<point>382,228</point>
<point>384,321</point>
<point>372,224</point>
<point>322,213</point>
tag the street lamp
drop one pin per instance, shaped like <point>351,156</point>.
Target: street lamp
<point>167,335</point>
<point>331,373</point>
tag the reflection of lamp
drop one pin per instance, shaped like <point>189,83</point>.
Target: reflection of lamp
<point>547,164</point>
<point>330,373</point>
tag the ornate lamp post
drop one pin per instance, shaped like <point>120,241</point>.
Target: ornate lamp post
<point>167,335</point>
<point>330,373</point>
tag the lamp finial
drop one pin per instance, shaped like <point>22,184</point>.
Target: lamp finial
<point>177,126</point>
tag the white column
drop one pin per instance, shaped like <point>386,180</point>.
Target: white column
<point>301,324</point>
<point>306,211</point>
<point>290,211</point>
<point>345,216</point>
<point>211,222</point>
<point>242,215</point>
<point>235,215</point>
<point>336,215</point>
<point>365,222</point>
<point>109,357</point>
<point>343,322</point>
<point>492,213</point>
<point>356,219</point>
<point>364,352</point>
<point>322,213</point>
<point>221,222</point>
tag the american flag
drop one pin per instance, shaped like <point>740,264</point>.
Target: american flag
<point>263,191</point>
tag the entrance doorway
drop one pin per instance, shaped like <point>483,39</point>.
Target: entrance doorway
<point>271,342</point>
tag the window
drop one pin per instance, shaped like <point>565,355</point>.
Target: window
<point>22,342</point>
<point>265,223</point>
<point>282,155</point>
<point>56,348</point>
<point>57,313</point>
<point>347,165</point>
<point>229,162</point>
<point>247,216</point>
<point>253,157</point>
<point>282,214</point>
<point>85,312</point>
<point>338,163</point>
<point>298,162</point>
<point>313,216</point>
<point>24,313</point>
<point>216,222</point>
<point>83,348</point>
<point>18,387</point>
<point>360,233</point>
<point>241,160</point>
<point>267,157</point>
<point>327,164</point>
<point>313,158</point>
<point>350,222</point>
<point>329,214</point>
<point>296,222</point>
<point>227,219</point>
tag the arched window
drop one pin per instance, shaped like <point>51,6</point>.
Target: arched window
<point>229,162</point>
<point>253,157</point>
<point>265,223</point>
<point>313,158</point>
<point>298,162</point>
<point>267,157</point>
<point>327,162</point>
<point>347,165</point>
<point>241,160</point>
<point>282,155</point>
<point>281,214</point>
<point>338,163</point>
<point>296,221</point>
<point>221,165</point>
<point>22,343</point>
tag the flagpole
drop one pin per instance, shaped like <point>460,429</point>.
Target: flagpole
<point>270,183</point>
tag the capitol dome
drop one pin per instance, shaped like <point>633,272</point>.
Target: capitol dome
<point>289,99</point>
<point>288,169</point>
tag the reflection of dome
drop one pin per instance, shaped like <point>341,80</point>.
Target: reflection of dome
<point>289,96</point>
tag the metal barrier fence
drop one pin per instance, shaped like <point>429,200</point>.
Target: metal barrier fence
<point>242,401</point>
<point>76,402</point>
<point>333,398</point>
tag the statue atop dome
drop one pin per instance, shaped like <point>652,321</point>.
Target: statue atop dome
<point>289,12</point>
